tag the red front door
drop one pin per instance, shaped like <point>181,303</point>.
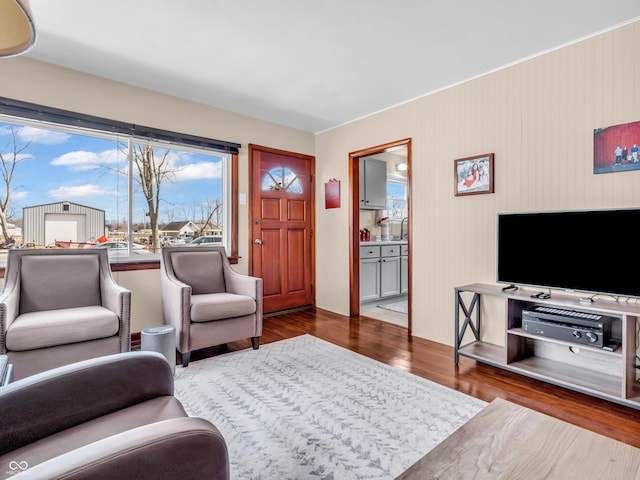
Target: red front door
<point>281,185</point>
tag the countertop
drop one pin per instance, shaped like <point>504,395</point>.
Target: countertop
<point>384,242</point>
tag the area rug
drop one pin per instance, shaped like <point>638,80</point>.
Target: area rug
<point>401,307</point>
<point>303,408</point>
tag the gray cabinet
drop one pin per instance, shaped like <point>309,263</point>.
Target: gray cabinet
<point>381,271</point>
<point>373,184</point>
<point>369,273</point>
<point>390,271</point>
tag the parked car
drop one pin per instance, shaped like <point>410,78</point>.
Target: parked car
<point>121,248</point>
<point>167,241</point>
<point>205,240</point>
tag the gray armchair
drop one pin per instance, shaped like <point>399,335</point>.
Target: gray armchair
<point>105,418</point>
<point>60,306</point>
<point>206,301</point>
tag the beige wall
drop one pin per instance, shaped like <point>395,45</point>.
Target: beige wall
<point>537,117</point>
<point>146,297</point>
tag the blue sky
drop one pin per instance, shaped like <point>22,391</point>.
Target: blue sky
<point>59,166</point>
<point>398,191</point>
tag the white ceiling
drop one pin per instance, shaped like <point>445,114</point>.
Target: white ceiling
<point>310,65</point>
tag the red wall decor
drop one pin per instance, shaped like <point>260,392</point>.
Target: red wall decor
<point>332,194</point>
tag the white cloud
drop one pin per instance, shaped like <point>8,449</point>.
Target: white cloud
<point>80,192</point>
<point>197,171</point>
<point>47,137</point>
<point>184,168</point>
<point>19,195</point>
<point>81,160</point>
<point>8,156</point>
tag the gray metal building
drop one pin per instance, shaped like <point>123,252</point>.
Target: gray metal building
<point>61,221</point>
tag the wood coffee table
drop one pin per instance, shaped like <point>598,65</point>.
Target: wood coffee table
<point>507,441</point>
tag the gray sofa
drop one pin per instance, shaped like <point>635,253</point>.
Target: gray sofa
<point>106,418</point>
<point>206,301</point>
<point>60,306</point>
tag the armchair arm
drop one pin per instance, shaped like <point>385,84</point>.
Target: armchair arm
<point>9,304</point>
<point>246,285</point>
<point>242,284</point>
<point>117,299</point>
<point>114,297</point>
<point>186,448</point>
<point>42,404</point>
<point>176,302</point>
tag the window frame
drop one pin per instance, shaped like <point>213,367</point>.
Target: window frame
<point>60,120</point>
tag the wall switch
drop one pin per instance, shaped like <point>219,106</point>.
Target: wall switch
<point>242,199</point>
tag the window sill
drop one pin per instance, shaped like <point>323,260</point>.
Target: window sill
<point>126,264</point>
<point>130,264</point>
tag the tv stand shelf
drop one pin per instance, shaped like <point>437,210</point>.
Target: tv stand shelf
<point>522,333</point>
<point>610,375</point>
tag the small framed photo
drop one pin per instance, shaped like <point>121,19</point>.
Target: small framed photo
<point>473,175</point>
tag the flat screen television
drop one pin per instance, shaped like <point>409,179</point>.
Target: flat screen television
<point>584,251</point>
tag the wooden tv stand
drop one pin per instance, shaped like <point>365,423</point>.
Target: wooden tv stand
<point>611,375</point>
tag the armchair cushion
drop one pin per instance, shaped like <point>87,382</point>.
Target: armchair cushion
<point>58,327</point>
<point>216,306</point>
<point>78,277</point>
<point>203,271</point>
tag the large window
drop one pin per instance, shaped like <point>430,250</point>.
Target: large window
<point>64,186</point>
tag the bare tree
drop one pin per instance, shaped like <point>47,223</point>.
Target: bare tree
<point>216,218</point>
<point>170,214</point>
<point>211,215</point>
<point>8,163</point>
<point>189,212</point>
<point>152,172</point>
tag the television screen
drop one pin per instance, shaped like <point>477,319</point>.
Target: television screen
<point>585,251</point>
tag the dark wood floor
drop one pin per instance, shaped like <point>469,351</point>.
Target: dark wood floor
<point>390,344</point>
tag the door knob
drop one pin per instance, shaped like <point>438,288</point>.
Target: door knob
<point>257,241</point>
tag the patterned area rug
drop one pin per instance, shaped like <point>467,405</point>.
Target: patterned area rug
<point>401,307</point>
<point>303,408</point>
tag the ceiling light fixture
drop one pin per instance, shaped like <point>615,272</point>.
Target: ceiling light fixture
<point>401,167</point>
<point>17,30</point>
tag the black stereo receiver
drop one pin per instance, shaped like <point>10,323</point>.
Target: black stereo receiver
<point>568,325</point>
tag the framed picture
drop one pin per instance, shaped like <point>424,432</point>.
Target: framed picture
<point>473,175</point>
<point>616,148</point>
